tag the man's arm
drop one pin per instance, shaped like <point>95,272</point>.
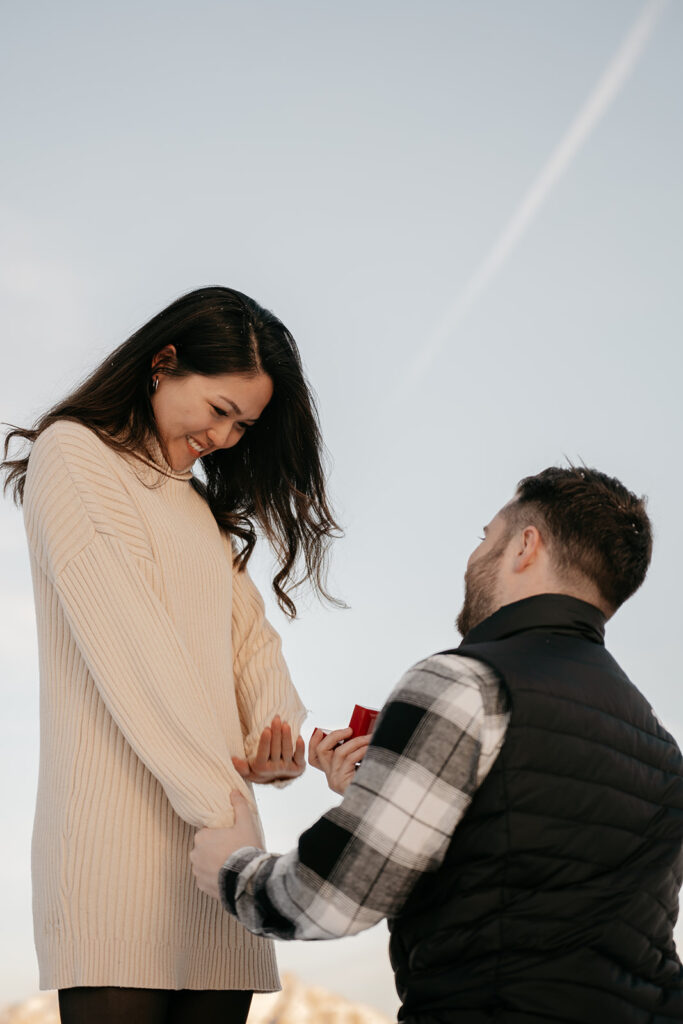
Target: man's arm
<point>361,860</point>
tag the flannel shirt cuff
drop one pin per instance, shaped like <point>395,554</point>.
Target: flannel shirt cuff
<point>229,876</point>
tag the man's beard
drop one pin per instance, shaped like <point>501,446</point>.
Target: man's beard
<point>481,579</point>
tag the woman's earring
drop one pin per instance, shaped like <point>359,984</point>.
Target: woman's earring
<point>155,384</point>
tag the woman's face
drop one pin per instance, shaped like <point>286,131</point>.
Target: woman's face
<point>196,415</point>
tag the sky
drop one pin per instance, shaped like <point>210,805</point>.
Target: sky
<point>470,216</point>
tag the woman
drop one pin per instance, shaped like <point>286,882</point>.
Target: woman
<point>162,685</point>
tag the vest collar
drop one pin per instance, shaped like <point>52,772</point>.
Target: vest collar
<point>553,613</point>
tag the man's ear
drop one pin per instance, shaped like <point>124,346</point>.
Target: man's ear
<point>528,549</point>
<point>164,358</point>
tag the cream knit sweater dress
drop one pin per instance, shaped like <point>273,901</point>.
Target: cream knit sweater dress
<point>156,665</point>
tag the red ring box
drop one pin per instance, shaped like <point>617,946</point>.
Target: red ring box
<point>362,721</point>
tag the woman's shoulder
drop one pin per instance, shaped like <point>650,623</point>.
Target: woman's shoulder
<point>68,447</point>
<point>68,436</point>
<point>70,431</point>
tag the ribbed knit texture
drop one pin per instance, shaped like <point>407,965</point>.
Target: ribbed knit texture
<point>156,666</point>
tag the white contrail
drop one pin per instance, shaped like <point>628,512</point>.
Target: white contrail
<point>597,104</point>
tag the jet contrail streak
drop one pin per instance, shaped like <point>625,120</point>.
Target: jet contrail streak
<point>597,104</point>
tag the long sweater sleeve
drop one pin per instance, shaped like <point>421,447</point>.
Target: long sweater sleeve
<point>101,563</point>
<point>262,681</point>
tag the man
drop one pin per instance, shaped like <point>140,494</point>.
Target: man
<point>518,816</point>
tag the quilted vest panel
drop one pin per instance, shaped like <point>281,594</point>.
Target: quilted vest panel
<point>557,898</point>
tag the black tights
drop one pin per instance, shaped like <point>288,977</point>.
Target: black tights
<point>152,1006</point>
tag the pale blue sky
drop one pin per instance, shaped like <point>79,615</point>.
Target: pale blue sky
<point>351,166</point>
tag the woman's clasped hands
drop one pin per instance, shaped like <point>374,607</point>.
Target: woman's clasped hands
<point>277,758</point>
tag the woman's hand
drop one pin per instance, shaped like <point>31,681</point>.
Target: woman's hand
<point>337,755</point>
<point>276,757</point>
<point>213,846</point>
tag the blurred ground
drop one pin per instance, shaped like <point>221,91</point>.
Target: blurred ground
<point>296,1004</point>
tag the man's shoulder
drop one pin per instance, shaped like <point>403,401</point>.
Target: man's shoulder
<point>448,678</point>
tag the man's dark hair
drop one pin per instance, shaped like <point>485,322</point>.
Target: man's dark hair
<point>592,524</point>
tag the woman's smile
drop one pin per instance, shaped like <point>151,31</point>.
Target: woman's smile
<point>225,404</point>
<point>195,447</point>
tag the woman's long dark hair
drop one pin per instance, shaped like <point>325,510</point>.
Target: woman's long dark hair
<point>272,479</point>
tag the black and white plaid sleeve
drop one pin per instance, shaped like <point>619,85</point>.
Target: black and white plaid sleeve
<point>435,741</point>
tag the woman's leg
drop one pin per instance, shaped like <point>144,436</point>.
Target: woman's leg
<point>209,1007</point>
<point>113,1005</point>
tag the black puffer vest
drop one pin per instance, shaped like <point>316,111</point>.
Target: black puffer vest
<point>558,895</point>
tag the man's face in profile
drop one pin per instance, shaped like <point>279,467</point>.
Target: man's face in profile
<point>482,574</point>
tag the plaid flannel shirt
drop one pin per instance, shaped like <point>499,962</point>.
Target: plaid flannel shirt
<point>433,745</point>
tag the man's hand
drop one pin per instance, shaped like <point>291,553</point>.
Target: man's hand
<point>337,755</point>
<point>213,846</point>
<point>276,758</point>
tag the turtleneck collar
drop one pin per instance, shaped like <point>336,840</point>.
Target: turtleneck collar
<point>157,461</point>
<point>552,613</point>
